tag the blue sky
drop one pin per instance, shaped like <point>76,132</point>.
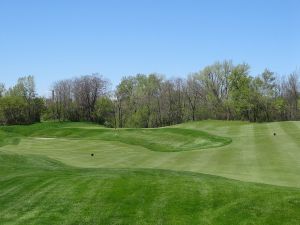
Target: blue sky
<point>54,40</point>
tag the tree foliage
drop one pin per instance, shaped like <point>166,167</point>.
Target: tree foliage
<point>219,91</point>
<point>19,104</point>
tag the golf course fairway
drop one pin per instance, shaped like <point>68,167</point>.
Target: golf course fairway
<point>207,172</point>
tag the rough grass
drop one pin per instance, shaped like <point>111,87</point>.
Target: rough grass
<point>37,190</point>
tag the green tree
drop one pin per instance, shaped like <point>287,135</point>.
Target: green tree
<point>105,112</point>
<point>13,110</point>
<point>2,90</point>
<point>239,89</point>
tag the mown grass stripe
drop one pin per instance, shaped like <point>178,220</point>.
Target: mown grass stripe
<point>102,196</point>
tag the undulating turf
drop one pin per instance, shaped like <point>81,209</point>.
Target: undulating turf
<point>37,190</point>
<point>150,176</point>
<point>253,154</point>
<point>163,139</point>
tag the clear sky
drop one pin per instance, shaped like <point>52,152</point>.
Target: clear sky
<point>53,40</point>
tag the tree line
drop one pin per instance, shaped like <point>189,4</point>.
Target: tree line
<point>220,91</point>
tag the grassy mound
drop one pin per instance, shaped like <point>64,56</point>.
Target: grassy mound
<point>161,139</point>
<point>7,138</point>
<point>37,190</point>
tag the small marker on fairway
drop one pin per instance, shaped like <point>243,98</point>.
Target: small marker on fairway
<point>92,154</point>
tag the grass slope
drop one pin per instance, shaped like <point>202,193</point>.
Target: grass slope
<point>164,140</point>
<point>38,190</point>
<point>253,155</point>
